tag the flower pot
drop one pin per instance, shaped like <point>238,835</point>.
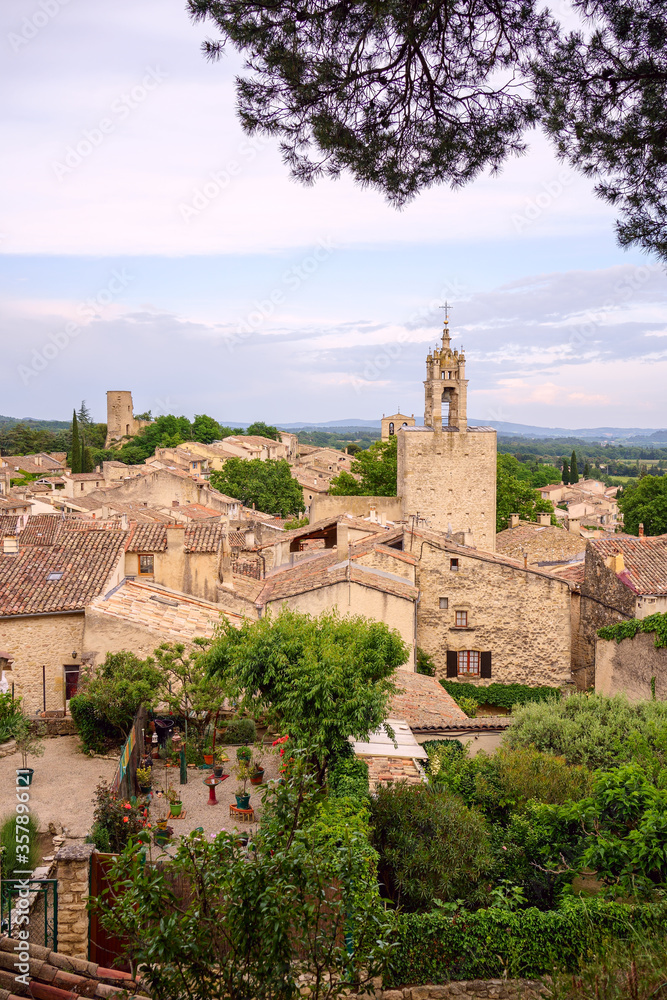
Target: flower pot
<point>217,770</point>
<point>144,789</point>
<point>176,808</point>
<point>208,759</point>
<point>24,776</point>
<point>242,801</point>
<point>257,777</point>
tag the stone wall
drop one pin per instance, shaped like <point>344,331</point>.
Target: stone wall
<point>325,506</point>
<point>520,615</point>
<point>494,989</point>
<point>449,479</point>
<point>627,667</point>
<point>36,640</point>
<point>604,601</point>
<point>73,874</point>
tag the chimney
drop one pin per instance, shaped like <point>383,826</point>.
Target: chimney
<point>10,545</point>
<point>525,560</point>
<point>641,530</point>
<point>175,503</point>
<point>512,520</point>
<point>373,514</point>
<point>342,541</point>
<point>544,519</point>
<point>124,522</point>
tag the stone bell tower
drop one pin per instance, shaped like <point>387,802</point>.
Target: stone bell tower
<point>447,470</point>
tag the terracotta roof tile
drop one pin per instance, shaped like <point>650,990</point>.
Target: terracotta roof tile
<point>41,529</point>
<point>423,701</point>
<point>645,561</point>
<point>203,537</point>
<point>147,538</point>
<point>163,611</point>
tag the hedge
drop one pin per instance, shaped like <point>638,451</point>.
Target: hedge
<point>502,695</point>
<point>489,944</point>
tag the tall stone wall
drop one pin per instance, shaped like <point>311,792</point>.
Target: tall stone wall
<point>627,667</point>
<point>604,601</point>
<point>38,640</point>
<point>73,874</point>
<point>448,477</point>
<point>521,616</point>
<point>325,506</point>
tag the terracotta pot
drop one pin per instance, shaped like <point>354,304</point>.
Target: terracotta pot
<point>257,777</point>
<point>208,759</point>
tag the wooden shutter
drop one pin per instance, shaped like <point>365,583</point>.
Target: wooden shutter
<point>485,665</point>
<point>452,663</point>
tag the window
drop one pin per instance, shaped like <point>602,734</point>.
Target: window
<point>146,564</point>
<point>468,662</point>
<point>461,619</point>
<point>82,487</point>
<point>444,603</point>
<point>454,565</point>
<point>391,426</point>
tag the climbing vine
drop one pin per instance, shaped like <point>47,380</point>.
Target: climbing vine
<point>501,695</point>
<point>629,629</point>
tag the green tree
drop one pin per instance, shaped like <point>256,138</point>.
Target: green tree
<point>377,470</point>
<point>587,471</point>
<point>319,679</point>
<point>206,429</point>
<point>574,469</point>
<point>120,685</point>
<point>166,431</point>
<point>254,923</point>
<point>84,414</point>
<point>566,472</point>
<point>191,690</point>
<point>87,463</point>
<point>75,449</point>
<point>260,429</point>
<point>404,97</point>
<point>516,497</point>
<point>645,502</point>
<point>268,485</point>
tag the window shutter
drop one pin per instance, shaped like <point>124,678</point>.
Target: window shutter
<point>485,665</point>
<point>452,663</point>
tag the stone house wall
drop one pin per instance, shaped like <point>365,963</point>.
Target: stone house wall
<point>520,615</point>
<point>389,560</point>
<point>449,479</point>
<point>325,506</point>
<point>604,601</point>
<point>36,640</point>
<point>627,667</point>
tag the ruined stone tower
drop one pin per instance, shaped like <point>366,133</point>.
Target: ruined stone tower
<point>447,470</point>
<point>121,422</point>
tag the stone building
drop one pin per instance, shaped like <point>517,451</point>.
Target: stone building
<point>392,424</point>
<point>447,470</point>
<point>624,577</point>
<point>121,421</point>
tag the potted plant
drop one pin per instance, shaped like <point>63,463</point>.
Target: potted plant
<point>242,771</point>
<point>28,743</point>
<point>144,779</point>
<point>257,765</point>
<point>219,764</point>
<point>244,754</point>
<point>175,803</point>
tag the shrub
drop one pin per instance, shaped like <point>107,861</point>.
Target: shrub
<point>116,821</point>
<point>10,715</point>
<point>8,845</point>
<point>491,944</point>
<point>620,971</point>
<point>425,664</point>
<point>119,686</point>
<point>594,730</point>
<point>431,845</point>
<point>94,731</point>
<point>239,731</point>
<point>348,777</point>
<point>501,695</point>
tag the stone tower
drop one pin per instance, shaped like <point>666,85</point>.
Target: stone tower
<point>447,470</point>
<point>121,422</point>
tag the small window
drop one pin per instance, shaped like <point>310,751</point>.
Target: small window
<point>468,662</point>
<point>461,619</point>
<point>52,577</point>
<point>444,603</point>
<point>81,487</point>
<point>454,565</point>
<point>146,564</point>
<point>391,427</point>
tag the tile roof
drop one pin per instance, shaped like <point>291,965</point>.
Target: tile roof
<point>85,477</point>
<point>199,511</point>
<point>147,538</point>
<point>41,529</point>
<point>9,524</point>
<point>53,976</point>
<point>81,562</point>
<point>481,722</point>
<point>27,463</point>
<point>645,561</point>
<point>166,612</point>
<point>326,570</point>
<point>541,542</point>
<point>203,537</point>
<point>574,572</point>
<point>423,701</point>
<point>11,503</point>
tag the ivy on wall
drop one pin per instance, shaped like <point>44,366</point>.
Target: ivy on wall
<point>502,695</point>
<point>629,629</point>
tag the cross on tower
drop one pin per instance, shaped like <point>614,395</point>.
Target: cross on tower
<point>447,309</point>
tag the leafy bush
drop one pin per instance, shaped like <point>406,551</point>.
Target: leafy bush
<point>425,664</point>
<point>8,845</point>
<point>94,731</point>
<point>119,686</point>
<point>594,730</point>
<point>10,715</point>
<point>629,629</point>
<point>116,821</point>
<point>490,944</point>
<point>507,780</point>
<point>431,845</point>
<point>619,971</point>
<point>501,695</point>
<point>239,731</point>
<point>348,777</point>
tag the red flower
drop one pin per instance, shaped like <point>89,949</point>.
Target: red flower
<point>126,819</point>
<point>126,805</point>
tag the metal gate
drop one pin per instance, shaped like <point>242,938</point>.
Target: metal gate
<point>43,909</point>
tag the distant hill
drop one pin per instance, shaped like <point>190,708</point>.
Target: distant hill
<point>45,425</point>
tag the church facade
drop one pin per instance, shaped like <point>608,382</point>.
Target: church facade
<point>447,470</point>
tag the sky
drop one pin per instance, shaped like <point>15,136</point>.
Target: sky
<point>147,244</point>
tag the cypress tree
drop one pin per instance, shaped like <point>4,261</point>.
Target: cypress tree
<point>587,471</point>
<point>574,472</point>
<point>75,453</point>
<point>566,473</point>
<point>86,457</point>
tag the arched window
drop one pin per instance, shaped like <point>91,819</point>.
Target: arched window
<point>391,427</point>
